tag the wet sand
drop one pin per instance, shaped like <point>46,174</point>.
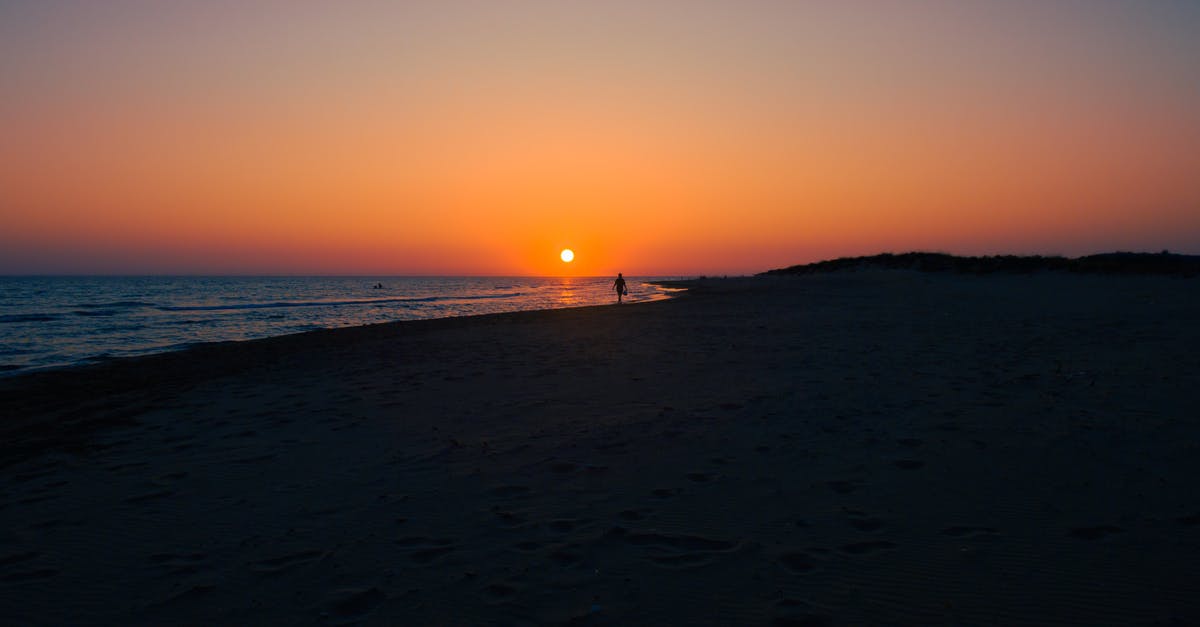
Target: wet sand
<point>855,448</point>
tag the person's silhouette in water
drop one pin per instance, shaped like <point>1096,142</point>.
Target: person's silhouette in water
<point>619,286</point>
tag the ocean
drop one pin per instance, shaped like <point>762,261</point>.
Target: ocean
<point>48,322</point>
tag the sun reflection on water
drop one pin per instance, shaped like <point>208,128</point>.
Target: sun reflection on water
<point>567,295</point>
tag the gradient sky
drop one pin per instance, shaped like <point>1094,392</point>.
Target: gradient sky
<point>653,137</point>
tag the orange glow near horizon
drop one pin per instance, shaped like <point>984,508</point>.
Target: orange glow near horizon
<point>678,138</point>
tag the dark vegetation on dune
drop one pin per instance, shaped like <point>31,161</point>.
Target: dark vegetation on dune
<point>1164,263</point>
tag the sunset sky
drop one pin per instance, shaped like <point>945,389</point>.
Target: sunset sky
<point>652,137</point>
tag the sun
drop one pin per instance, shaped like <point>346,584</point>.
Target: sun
<point>567,255</point>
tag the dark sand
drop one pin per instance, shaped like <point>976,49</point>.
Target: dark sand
<point>871,448</point>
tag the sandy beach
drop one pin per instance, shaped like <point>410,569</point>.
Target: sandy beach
<point>871,448</point>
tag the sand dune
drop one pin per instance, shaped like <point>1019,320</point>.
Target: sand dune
<point>860,448</point>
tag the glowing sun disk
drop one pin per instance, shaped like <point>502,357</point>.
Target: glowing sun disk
<point>567,255</point>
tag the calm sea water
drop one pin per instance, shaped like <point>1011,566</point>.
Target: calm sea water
<point>60,321</point>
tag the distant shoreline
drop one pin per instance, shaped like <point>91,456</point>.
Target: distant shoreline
<point>1124,263</point>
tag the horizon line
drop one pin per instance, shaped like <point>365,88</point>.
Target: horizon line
<point>347,276</point>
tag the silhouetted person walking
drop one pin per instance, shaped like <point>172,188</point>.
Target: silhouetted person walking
<point>619,286</point>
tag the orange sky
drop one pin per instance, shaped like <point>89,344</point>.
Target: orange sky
<point>650,137</point>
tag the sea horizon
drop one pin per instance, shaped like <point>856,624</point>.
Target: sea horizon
<point>654,277</point>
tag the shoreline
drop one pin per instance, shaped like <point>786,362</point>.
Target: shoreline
<point>46,326</point>
<point>17,373</point>
<point>875,447</point>
<point>53,387</point>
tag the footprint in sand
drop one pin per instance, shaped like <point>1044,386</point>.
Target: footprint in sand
<point>118,468</point>
<point>859,548</point>
<point>566,555</point>
<point>511,519</point>
<point>255,459</point>
<point>527,546</point>
<point>180,563</point>
<point>959,532</point>
<point>675,550</point>
<point>510,490</point>
<point>169,478</point>
<point>149,496</point>
<point>1094,533</point>
<point>501,590</point>
<point>17,558</point>
<point>798,562</point>
<point>354,604</point>
<point>563,468</point>
<point>30,575</point>
<point>426,549</point>
<point>861,520</point>
<point>25,477</point>
<point>425,556</point>
<point>190,593</point>
<point>1190,521</point>
<point>678,542</point>
<point>794,613</point>
<point>55,523</point>
<point>842,487</point>
<point>634,514</point>
<point>563,525</point>
<point>867,524</point>
<point>283,563</point>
